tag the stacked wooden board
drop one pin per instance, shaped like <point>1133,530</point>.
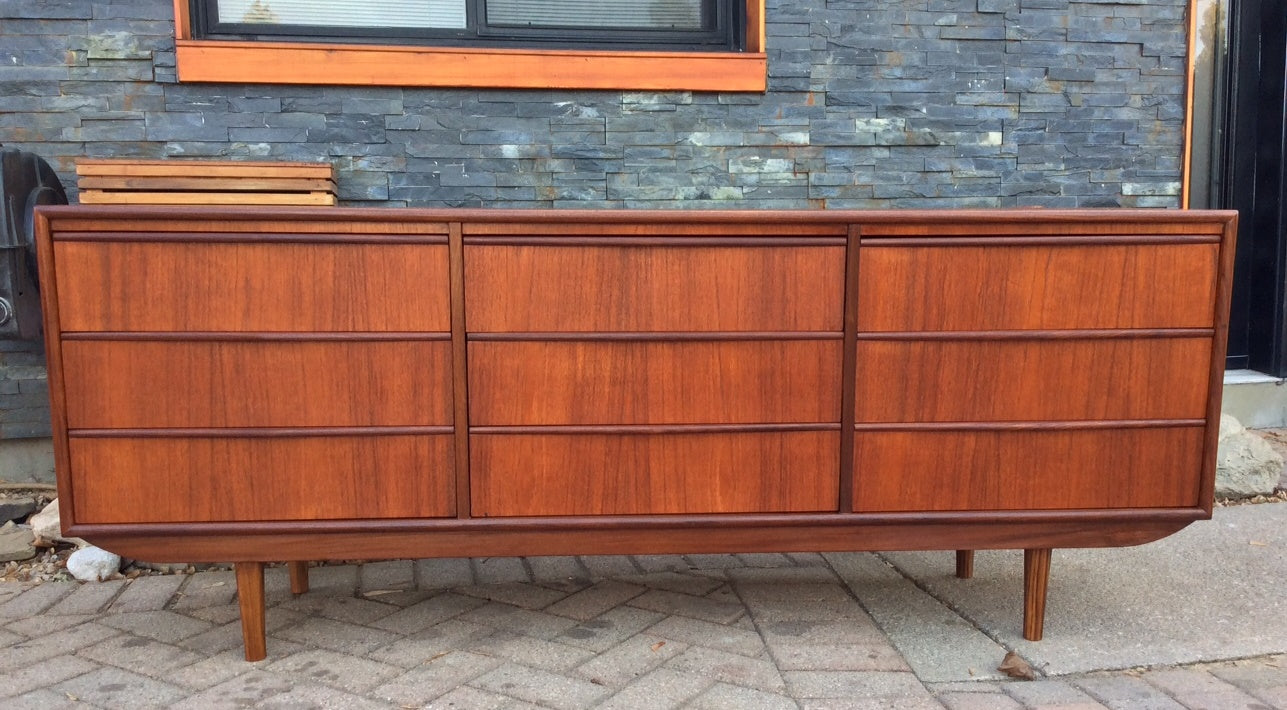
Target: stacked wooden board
<point>128,181</point>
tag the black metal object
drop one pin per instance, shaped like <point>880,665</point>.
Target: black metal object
<point>26,180</point>
<point>1254,182</point>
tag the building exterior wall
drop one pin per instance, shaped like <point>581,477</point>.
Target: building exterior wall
<point>871,104</point>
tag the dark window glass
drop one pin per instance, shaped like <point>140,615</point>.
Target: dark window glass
<point>648,24</point>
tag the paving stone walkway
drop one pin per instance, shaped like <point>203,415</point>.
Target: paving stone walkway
<point>556,633</point>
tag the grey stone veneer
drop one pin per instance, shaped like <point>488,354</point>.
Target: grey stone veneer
<point>871,104</point>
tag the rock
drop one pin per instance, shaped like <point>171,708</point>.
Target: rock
<point>93,564</point>
<point>16,508</point>
<point>46,524</point>
<point>16,543</point>
<point>1246,465</point>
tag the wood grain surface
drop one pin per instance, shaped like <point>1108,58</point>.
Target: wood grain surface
<point>206,479</point>
<point>514,383</point>
<point>143,384</point>
<point>140,286</point>
<point>1026,470</point>
<point>910,288</point>
<point>962,381</point>
<point>586,289</point>
<point>534,474</point>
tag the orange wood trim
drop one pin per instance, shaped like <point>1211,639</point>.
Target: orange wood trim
<point>849,378</point>
<point>1039,425</point>
<point>360,65</point>
<point>344,235</point>
<point>54,358</point>
<point>132,167</point>
<point>1069,334</point>
<point>658,337</point>
<point>258,432</point>
<point>182,20</point>
<point>755,30</point>
<point>876,224</point>
<point>459,363</point>
<point>1219,350</point>
<point>652,429</point>
<point>392,539</point>
<point>1186,189</point>
<point>253,337</point>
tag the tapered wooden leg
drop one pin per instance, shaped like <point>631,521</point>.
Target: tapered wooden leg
<point>298,577</point>
<point>250,596</point>
<point>1036,576</point>
<point>965,564</point>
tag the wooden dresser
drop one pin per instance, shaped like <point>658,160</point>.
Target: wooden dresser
<point>260,384</point>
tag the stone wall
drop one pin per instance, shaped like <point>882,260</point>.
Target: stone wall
<point>871,104</point>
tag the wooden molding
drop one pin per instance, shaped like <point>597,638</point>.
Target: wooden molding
<point>182,20</point>
<point>336,64</point>
<point>1186,167</point>
<point>755,34</point>
<point>377,65</point>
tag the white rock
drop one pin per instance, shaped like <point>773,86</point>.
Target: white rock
<point>1246,465</point>
<point>93,564</point>
<point>46,524</point>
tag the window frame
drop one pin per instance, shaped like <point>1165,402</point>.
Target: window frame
<point>723,34</point>
<point>413,65</point>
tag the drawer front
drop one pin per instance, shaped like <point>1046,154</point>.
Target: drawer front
<point>946,381</point>
<point>896,471</point>
<point>643,289</point>
<point>909,288</point>
<point>170,480</point>
<point>551,474</point>
<point>159,384</point>
<point>534,383</point>
<point>161,286</point>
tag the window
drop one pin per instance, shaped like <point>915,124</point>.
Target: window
<point>639,44</point>
<point>644,24</point>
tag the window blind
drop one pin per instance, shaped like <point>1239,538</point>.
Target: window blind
<point>439,14</point>
<point>638,14</point>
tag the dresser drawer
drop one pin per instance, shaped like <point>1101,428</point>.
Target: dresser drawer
<point>933,288</point>
<point>241,287</point>
<point>1032,380</point>
<point>724,382</point>
<point>637,474</point>
<point>906,471</point>
<point>159,384</point>
<point>515,288</point>
<point>215,479</point>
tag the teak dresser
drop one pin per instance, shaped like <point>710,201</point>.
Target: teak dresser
<point>293,384</point>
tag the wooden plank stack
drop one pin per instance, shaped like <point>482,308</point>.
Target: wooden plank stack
<point>128,181</point>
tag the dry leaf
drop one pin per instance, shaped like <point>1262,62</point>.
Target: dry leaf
<point>1016,667</point>
<point>379,592</point>
<point>658,645</point>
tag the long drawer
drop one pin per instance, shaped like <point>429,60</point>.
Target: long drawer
<point>716,382</point>
<point>637,474</point>
<point>261,478</point>
<point>245,287</point>
<point>163,384</point>
<point>516,288</point>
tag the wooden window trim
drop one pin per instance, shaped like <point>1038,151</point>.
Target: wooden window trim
<point>388,65</point>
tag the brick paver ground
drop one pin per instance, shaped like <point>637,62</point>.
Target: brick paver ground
<point>707,632</point>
